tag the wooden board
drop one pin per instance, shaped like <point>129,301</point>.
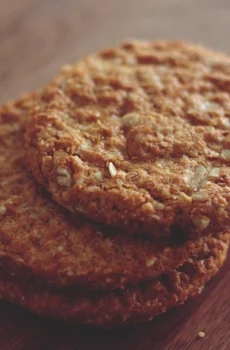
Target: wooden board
<point>37,36</point>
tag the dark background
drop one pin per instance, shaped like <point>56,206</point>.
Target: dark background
<point>36,37</point>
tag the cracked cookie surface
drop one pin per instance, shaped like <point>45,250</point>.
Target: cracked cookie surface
<point>138,137</point>
<point>40,240</point>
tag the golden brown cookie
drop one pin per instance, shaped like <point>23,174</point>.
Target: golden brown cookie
<point>131,305</point>
<point>40,240</point>
<point>138,137</point>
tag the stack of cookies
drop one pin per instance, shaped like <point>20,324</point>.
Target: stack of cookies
<point>115,184</point>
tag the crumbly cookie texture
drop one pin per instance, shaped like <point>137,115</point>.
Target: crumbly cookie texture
<point>40,240</point>
<point>132,305</point>
<point>138,137</point>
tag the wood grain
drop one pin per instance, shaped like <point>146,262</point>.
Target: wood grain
<point>37,36</point>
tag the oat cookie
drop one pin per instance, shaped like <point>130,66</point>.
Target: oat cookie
<point>39,239</point>
<point>132,305</point>
<point>138,137</point>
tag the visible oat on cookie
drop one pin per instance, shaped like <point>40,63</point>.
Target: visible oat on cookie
<point>141,128</point>
<point>41,240</point>
<point>52,262</point>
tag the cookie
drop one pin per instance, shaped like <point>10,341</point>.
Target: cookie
<point>40,239</point>
<point>131,305</point>
<point>137,137</point>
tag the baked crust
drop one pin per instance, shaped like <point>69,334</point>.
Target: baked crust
<point>138,137</point>
<point>39,239</point>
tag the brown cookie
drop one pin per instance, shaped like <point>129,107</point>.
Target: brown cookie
<point>138,137</point>
<point>132,305</point>
<point>39,239</point>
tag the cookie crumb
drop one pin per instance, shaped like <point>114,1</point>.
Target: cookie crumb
<point>201,334</point>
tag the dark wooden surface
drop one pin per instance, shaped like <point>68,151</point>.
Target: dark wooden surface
<point>36,37</point>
